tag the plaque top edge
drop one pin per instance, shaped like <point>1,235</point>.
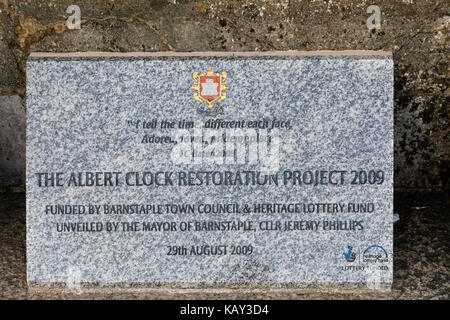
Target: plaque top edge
<point>250,54</point>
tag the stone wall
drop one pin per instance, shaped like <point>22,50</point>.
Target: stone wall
<point>416,31</point>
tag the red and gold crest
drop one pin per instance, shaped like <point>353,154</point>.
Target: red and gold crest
<point>209,87</point>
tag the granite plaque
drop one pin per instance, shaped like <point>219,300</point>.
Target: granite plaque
<point>212,168</point>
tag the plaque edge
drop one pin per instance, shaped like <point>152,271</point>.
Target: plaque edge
<point>250,54</point>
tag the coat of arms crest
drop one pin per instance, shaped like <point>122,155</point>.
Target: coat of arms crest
<point>209,87</point>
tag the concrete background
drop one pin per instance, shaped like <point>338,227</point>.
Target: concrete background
<point>416,31</point>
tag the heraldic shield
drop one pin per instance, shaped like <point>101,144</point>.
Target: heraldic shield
<point>209,87</point>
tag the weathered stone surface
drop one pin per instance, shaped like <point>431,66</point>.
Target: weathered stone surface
<point>12,141</point>
<point>11,77</point>
<point>305,195</point>
<point>415,31</point>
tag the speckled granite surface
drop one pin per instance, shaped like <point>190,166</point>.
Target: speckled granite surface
<point>340,112</point>
<point>421,260</point>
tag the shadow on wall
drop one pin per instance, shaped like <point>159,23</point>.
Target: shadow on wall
<point>12,141</point>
